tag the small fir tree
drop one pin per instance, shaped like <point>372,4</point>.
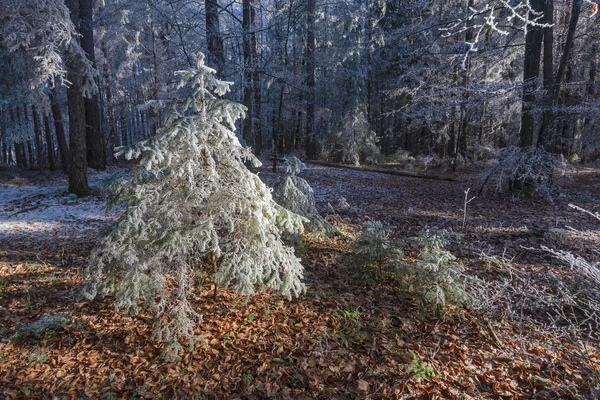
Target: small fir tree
<point>374,252</point>
<point>192,199</point>
<point>295,194</point>
<point>436,278</point>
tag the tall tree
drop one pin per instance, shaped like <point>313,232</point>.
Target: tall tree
<point>49,144</point>
<point>96,155</point>
<point>59,131</point>
<point>547,73</point>
<point>310,144</point>
<point>247,13</point>
<point>531,71</point>
<point>216,53</point>
<point>78,183</point>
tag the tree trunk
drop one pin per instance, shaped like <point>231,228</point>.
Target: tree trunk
<point>256,118</point>
<point>216,53</point>
<point>39,146</point>
<point>544,136</point>
<point>531,71</point>
<point>246,23</point>
<point>59,130</point>
<point>49,144</point>
<point>19,147</point>
<point>124,141</point>
<point>278,132</point>
<point>96,155</point>
<point>310,144</point>
<point>464,112</point>
<point>78,183</point>
<point>30,154</point>
<point>562,66</point>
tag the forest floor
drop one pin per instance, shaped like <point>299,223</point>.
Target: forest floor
<point>347,337</point>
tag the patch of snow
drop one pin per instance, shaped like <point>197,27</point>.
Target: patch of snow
<point>29,211</point>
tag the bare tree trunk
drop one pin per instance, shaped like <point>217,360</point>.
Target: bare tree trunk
<point>96,155</point>
<point>19,146</point>
<point>310,144</point>
<point>49,144</point>
<point>59,130</point>
<point>562,66</point>
<point>531,71</point>
<point>213,37</point>
<point>124,141</point>
<point>544,136</point>
<point>277,133</point>
<point>39,146</point>
<point>78,183</point>
<point>256,118</point>
<point>30,154</point>
<point>464,112</point>
<point>246,24</point>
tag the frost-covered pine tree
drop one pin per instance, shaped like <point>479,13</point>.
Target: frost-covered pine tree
<point>191,200</point>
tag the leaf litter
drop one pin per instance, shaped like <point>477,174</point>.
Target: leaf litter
<point>340,340</point>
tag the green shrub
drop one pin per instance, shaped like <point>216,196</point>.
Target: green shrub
<point>436,279</point>
<point>374,252</point>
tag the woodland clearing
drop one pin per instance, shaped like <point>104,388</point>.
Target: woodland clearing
<point>343,338</point>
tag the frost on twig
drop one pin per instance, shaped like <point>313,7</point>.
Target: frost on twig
<point>493,16</point>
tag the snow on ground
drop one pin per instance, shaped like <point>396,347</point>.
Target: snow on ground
<point>31,211</point>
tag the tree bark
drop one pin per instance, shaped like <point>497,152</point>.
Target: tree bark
<point>562,66</point>
<point>256,118</point>
<point>216,52</point>
<point>49,144</point>
<point>37,131</point>
<point>59,130</point>
<point>96,155</point>
<point>531,71</point>
<point>544,135</point>
<point>277,133</point>
<point>310,144</point>
<point>246,23</point>
<point>78,183</point>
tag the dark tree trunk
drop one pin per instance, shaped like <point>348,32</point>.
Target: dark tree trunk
<point>564,60</point>
<point>59,130</point>
<point>310,144</point>
<point>96,155</point>
<point>39,146</point>
<point>49,144</point>
<point>124,141</point>
<point>544,136</point>
<point>20,155</point>
<point>30,162</point>
<point>256,118</point>
<point>213,37</point>
<point>531,71</point>
<point>278,132</point>
<point>466,81</point>
<point>246,24</point>
<point>78,183</point>
<point>19,147</point>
